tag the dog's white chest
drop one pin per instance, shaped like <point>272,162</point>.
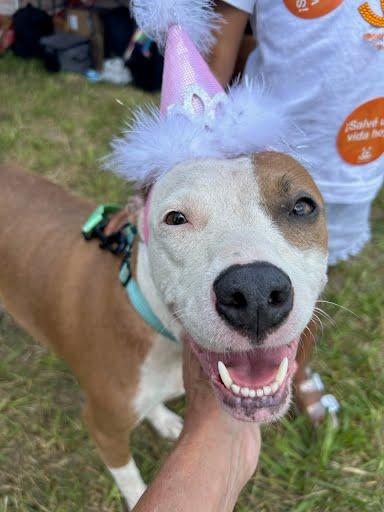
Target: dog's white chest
<point>160,376</point>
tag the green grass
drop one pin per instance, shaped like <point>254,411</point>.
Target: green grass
<point>59,126</point>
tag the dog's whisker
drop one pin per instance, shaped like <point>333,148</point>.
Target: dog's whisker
<point>341,307</point>
<point>322,312</point>
<point>325,315</point>
<point>307,329</point>
<point>317,319</point>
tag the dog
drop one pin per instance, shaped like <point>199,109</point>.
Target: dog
<point>231,257</point>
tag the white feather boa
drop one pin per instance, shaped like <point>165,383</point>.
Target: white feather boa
<point>248,121</point>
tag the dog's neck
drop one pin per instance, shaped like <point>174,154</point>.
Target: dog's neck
<point>148,289</point>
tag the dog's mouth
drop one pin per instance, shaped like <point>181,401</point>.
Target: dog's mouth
<point>253,385</point>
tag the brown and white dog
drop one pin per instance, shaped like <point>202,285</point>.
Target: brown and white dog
<point>235,260</point>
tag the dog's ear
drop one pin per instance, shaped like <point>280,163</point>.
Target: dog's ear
<point>141,213</point>
<point>145,190</point>
<point>142,219</point>
<point>134,205</point>
<point>130,213</point>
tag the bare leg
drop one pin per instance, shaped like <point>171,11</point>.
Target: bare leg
<point>310,397</point>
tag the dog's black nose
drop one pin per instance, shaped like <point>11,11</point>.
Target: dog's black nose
<point>253,298</point>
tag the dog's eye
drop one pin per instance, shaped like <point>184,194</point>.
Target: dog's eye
<point>175,218</point>
<point>303,207</point>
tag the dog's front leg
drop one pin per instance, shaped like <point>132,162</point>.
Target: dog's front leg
<point>110,428</point>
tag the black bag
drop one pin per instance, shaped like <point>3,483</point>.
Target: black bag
<point>66,52</point>
<point>30,25</point>
<point>119,27</point>
<point>147,71</point>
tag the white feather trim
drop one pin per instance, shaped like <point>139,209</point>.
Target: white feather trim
<point>249,121</point>
<point>197,17</point>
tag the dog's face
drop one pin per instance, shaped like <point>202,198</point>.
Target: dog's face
<point>238,253</point>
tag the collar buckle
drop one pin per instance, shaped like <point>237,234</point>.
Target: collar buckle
<point>119,242</point>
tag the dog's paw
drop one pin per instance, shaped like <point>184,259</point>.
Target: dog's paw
<point>171,427</point>
<point>166,422</point>
<point>129,482</point>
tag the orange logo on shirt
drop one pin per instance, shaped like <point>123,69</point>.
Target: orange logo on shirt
<point>309,9</point>
<point>368,15</point>
<point>361,137</point>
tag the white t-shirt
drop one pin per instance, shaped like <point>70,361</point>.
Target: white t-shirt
<point>326,67</point>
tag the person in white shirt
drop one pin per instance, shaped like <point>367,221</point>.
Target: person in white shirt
<point>325,60</point>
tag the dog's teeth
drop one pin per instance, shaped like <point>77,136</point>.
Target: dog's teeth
<point>274,386</point>
<point>244,391</point>
<point>235,388</point>
<point>252,393</point>
<point>267,390</point>
<point>224,375</point>
<point>282,371</point>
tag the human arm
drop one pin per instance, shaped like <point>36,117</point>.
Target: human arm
<point>213,459</point>
<point>223,56</point>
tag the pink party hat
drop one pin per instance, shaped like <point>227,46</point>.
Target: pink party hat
<point>185,72</point>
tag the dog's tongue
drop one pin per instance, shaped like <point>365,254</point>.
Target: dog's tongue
<point>252,375</point>
<point>255,368</point>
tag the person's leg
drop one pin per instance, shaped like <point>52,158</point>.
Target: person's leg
<point>348,229</point>
<point>311,398</point>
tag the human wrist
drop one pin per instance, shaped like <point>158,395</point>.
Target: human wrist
<point>236,443</point>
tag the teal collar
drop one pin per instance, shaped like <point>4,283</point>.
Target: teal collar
<point>122,242</point>
<point>139,302</point>
<point>141,305</point>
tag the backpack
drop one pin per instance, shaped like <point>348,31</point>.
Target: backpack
<point>30,24</point>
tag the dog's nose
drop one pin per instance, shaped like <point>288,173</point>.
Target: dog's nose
<point>253,298</point>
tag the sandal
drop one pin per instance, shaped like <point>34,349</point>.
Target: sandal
<point>311,400</point>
